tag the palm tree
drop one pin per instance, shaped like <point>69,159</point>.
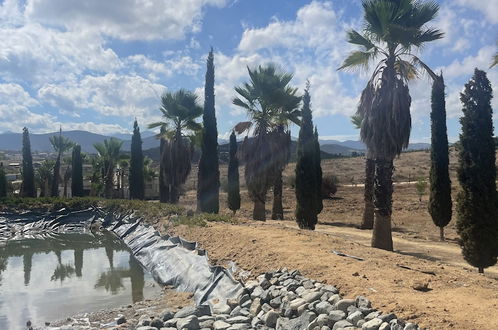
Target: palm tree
<point>271,105</point>
<point>60,144</point>
<point>367,220</point>
<point>67,174</point>
<point>180,110</point>
<point>109,153</point>
<point>392,29</point>
<point>495,59</point>
<point>44,177</point>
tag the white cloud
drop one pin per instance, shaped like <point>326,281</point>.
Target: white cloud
<point>487,7</point>
<point>124,19</point>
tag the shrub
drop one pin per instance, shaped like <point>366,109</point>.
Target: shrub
<point>329,185</point>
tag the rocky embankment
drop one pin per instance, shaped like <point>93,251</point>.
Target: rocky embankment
<point>280,300</point>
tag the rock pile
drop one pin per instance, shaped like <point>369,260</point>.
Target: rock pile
<point>282,300</point>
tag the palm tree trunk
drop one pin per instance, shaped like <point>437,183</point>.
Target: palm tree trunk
<point>259,212</point>
<point>441,234</point>
<point>55,179</point>
<point>368,212</point>
<point>383,191</point>
<point>277,210</point>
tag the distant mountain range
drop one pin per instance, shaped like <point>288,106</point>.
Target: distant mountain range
<point>41,142</point>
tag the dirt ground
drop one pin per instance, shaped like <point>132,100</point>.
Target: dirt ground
<point>438,290</point>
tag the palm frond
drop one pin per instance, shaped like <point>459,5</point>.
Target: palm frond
<point>358,60</point>
<point>358,39</point>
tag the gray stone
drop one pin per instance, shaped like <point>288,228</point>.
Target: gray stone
<point>139,328</point>
<point>410,326</point>
<point>311,296</point>
<point>360,323</point>
<point>235,311</point>
<point>190,323</point>
<point>221,308</point>
<point>325,328</point>
<point>337,315</point>
<point>120,320</point>
<point>244,298</point>
<point>168,315</point>
<point>170,323</point>
<point>168,328</point>
<point>341,324</point>
<point>198,311</point>
<point>221,325</point>
<point>343,304</point>
<point>206,324</point>
<point>270,318</point>
<point>265,284</point>
<point>232,303</point>
<point>334,299</point>
<point>372,315</point>
<point>251,285</point>
<point>362,301</point>
<point>330,288</point>
<point>244,312</point>
<point>397,324</point>
<point>266,307</point>
<point>323,320</point>
<point>384,326</point>
<point>221,317</point>
<point>157,323</point>
<point>323,307</point>
<point>257,292</point>
<point>326,296</point>
<point>144,320</point>
<point>308,285</point>
<point>387,317</point>
<point>373,324</point>
<point>291,296</point>
<point>300,290</point>
<point>239,326</point>
<point>275,302</point>
<point>301,309</point>
<point>238,319</point>
<point>294,304</point>
<point>298,323</point>
<point>355,317</point>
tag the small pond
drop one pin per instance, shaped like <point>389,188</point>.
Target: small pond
<point>51,276</point>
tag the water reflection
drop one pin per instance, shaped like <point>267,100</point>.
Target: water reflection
<point>66,274</point>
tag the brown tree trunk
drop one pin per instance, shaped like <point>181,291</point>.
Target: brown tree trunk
<point>368,212</point>
<point>481,270</point>
<point>277,210</point>
<point>258,212</point>
<point>383,191</point>
<point>441,234</point>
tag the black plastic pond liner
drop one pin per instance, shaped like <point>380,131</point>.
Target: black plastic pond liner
<point>171,260</point>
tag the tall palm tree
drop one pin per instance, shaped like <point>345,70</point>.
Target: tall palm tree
<point>109,153</point>
<point>367,220</point>
<point>44,175</point>
<point>271,104</point>
<point>392,29</point>
<point>180,111</point>
<point>60,144</point>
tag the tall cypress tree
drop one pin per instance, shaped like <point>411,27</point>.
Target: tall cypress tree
<point>308,170</point>
<point>77,172</point>
<point>440,183</point>
<point>477,222</point>
<point>3,182</point>
<point>208,183</point>
<point>28,174</point>
<point>136,181</point>
<point>233,176</point>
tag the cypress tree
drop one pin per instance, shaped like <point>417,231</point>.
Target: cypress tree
<point>440,183</point>
<point>77,172</point>
<point>137,185</point>
<point>28,174</point>
<point>209,174</point>
<point>477,222</point>
<point>308,170</point>
<point>3,182</point>
<point>233,176</point>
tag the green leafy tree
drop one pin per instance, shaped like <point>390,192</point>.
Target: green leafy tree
<point>392,29</point>
<point>137,185</point>
<point>421,185</point>
<point>367,220</point>
<point>308,171</point>
<point>440,204</point>
<point>477,221</point>
<point>109,153</point>
<point>60,144</point>
<point>233,176</point>
<point>28,188</point>
<point>208,182</point>
<point>77,172</point>
<point>3,182</point>
<point>44,176</point>
<point>271,104</point>
<point>180,110</point>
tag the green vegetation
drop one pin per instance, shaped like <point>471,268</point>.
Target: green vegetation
<point>391,30</point>
<point>28,188</point>
<point>60,144</point>
<point>180,110</point>
<point>136,181</point>
<point>233,184</point>
<point>421,186</point>
<point>44,176</point>
<point>477,222</point>
<point>440,205</point>
<point>308,171</point>
<point>3,182</point>
<point>109,154</point>
<point>208,182</point>
<point>77,172</point>
<point>271,104</point>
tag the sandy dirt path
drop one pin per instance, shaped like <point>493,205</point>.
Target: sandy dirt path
<point>456,296</point>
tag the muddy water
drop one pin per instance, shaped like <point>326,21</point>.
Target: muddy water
<point>50,277</point>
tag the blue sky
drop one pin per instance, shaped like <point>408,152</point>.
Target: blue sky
<point>96,65</point>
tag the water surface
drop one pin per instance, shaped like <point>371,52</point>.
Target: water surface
<point>49,277</point>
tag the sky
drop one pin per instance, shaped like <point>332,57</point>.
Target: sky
<point>96,65</point>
